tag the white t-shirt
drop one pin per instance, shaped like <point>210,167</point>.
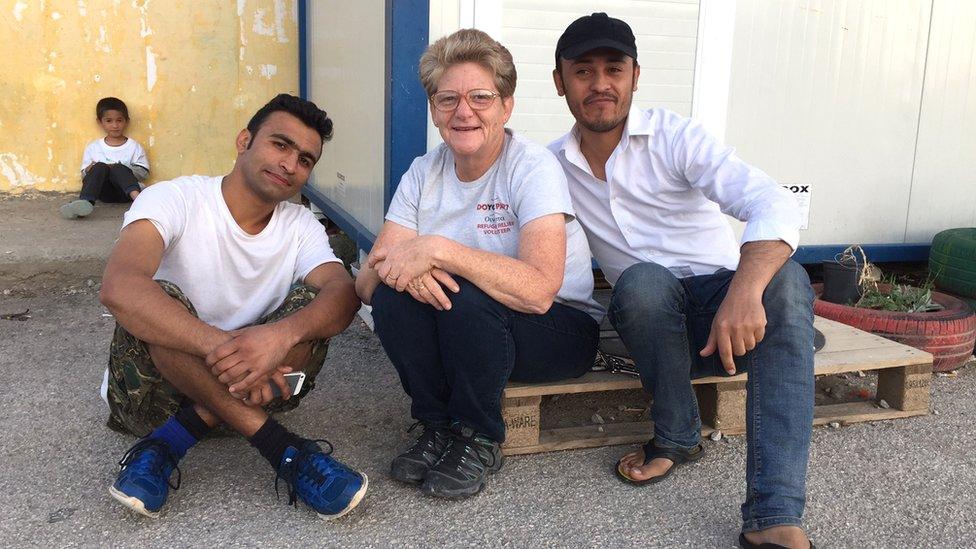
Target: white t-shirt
<point>128,154</point>
<point>525,183</point>
<point>232,278</point>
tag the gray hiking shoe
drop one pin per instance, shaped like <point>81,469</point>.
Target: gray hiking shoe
<point>463,469</point>
<point>412,466</point>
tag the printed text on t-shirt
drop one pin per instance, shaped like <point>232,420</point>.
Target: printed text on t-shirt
<point>497,221</point>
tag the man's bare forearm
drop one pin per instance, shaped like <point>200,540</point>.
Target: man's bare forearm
<point>141,306</point>
<point>758,264</point>
<point>328,314</point>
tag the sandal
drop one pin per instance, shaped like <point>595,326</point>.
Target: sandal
<point>652,451</point>
<point>746,544</point>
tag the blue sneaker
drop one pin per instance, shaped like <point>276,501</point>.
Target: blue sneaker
<point>143,483</point>
<point>325,484</point>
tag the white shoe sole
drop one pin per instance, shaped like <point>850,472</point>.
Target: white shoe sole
<point>76,208</point>
<point>352,503</point>
<point>134,504</point>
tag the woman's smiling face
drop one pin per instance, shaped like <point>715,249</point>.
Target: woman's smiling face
<point>471,133</point>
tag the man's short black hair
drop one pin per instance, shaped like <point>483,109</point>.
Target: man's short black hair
<point>306,111</point>
<point>111,104</point>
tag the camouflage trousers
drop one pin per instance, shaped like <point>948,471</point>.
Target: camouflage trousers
<point>141,400</point>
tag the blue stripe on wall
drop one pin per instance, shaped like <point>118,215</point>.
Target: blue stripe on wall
<point>302,49</point>
<point>877,253</point>
<point>356,231</point>
<point>407,31</point>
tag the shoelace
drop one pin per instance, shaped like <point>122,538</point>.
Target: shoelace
<point>289,472</point>
<point>162,452</point>
<point>462,451</point>
<point>426,442</point>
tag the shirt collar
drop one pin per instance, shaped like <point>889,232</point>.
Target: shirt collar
<point>637,124</point>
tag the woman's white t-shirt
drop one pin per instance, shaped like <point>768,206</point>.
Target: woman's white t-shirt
<point>526,182</point>
<point>231,277</point>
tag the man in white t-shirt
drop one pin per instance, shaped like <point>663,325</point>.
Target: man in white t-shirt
<point>650,189</point>
<point>221,286</point>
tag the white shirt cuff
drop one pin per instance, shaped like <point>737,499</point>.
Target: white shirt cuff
<point>770,230</point>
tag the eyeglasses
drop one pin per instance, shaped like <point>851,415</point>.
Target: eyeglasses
<point>449,100</point>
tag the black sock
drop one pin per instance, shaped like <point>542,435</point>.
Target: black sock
<point>192,422</point>
<point>272,439</point>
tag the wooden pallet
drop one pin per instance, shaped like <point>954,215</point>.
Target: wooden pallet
<point>904,376</point>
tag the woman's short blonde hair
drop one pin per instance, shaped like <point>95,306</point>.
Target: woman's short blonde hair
<point>468,45</point>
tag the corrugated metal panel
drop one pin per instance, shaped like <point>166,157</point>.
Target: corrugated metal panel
<point>944,190</point>
<point>827,93</point>
<point>348,82</point>
<point>666,33</point>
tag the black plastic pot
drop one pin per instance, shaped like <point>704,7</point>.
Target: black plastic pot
<point>840,282</point>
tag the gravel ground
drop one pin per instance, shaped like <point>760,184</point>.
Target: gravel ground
<point>40,251</point>
<point>905,483</point>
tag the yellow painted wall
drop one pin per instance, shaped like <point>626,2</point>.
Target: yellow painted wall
<point>192,72</point>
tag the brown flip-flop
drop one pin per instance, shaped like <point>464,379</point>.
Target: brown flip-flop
<point>678,456</point>
<point>744,543</point>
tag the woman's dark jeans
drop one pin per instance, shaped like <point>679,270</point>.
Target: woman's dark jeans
<point>454,364</point>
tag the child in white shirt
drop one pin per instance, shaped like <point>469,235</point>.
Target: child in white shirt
<point>113,166</point>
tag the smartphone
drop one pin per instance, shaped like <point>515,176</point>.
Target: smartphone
<point>295,382</point>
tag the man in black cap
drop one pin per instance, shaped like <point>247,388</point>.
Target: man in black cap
<point>650,189</point>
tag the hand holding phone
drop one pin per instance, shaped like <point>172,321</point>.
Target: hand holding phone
<point>295,380</point>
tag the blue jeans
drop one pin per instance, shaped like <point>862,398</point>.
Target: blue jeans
<point>454,364</point>
<point>664,321</point>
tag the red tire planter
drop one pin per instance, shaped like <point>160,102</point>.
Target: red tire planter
<point>948,334</point>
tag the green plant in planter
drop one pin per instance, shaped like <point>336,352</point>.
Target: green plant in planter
<point>899,297</point>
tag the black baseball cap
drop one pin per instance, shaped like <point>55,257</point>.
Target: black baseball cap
<point>595,31</point>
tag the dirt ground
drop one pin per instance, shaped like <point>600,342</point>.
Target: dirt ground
<point>903,483</point>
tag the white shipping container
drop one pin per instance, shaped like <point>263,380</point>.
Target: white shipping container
<point>870,105</point>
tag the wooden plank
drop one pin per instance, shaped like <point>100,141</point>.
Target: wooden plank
<point>591,382</point>
<point>849,412</point>
<point>855,412</point>
<point>848,341</point>
<point>588,436</point>
<point>837,346</point>
<point>613,434</point>
<point>870,359</point>
<point>835,363</point>
<point>839,336</point>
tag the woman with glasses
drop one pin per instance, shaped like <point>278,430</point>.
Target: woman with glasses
<point>480,275</point>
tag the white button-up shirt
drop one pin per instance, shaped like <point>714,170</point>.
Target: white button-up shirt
<point>668,183</point>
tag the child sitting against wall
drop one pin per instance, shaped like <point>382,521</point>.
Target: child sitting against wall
<point>112,166</point>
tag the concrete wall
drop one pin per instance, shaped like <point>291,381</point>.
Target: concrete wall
<point>191,72</point>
